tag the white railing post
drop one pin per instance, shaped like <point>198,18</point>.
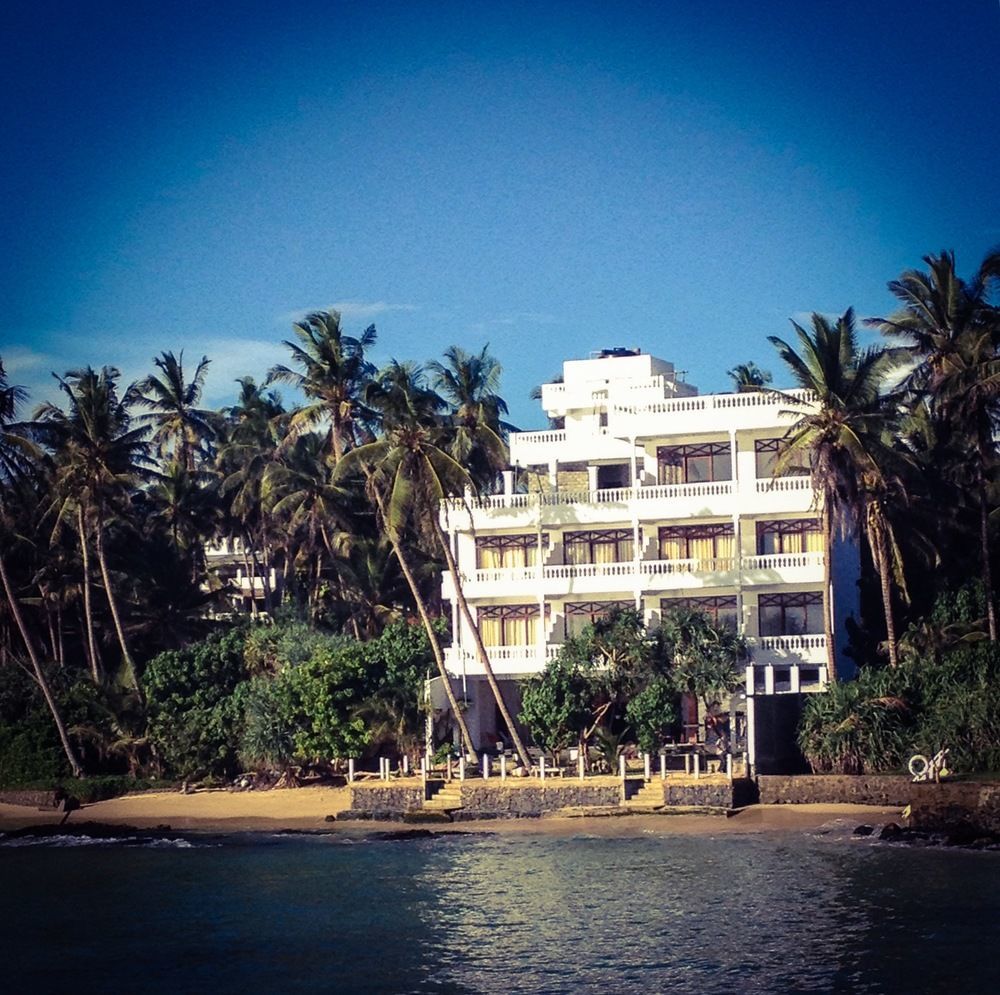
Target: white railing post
<point>646,767</point>
<point>541,766</point>
<point>350,769</point>
<point>461,767</point>
<point>697,765</point>
<point>406,765</point>
<point>663,766</point>
<point>503,767</point>
<point>486,766</point>
<point>729,766</point>
<point>580,765</point>
<point>423,769</point>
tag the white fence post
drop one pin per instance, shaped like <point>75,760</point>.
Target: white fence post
<point>406,765</point>
<point>503,766</point>
<point>580,764</point>
<point>697,765</point>
<point>461,767</point>
<point>663,766</point>
<point>350,769</point>
<point>486,766</point>
<point>646,766</point>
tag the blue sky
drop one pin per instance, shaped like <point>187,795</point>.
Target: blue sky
<point>546,178</point>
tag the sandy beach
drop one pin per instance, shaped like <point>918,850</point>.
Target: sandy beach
<point>304,809</point>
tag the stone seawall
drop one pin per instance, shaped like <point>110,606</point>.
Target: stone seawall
<point>834,789</point>
<point>526,800</point>
<point>386,801</point>
<point>34,799</point>
<point>956,805</point>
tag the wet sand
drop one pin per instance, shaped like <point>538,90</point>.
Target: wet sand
<point>305,809</point>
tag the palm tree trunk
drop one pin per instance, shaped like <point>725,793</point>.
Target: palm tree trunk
<point>88,614</point>
<point>480,648</point>
<point>984,543</point>
<point>43,684</point>
<point>882,566</point>
<point>831,656</point>
<point>470,746</point>
<point>116,618</point>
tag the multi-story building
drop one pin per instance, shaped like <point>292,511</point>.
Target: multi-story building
<point>644,494</point>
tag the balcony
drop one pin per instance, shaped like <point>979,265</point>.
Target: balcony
<point>776,651</point>
<point>647,576</point>
<point>706,413</point>
<point>793,676</point>
<point>539,448</point>
<point>718,498</point>
<point>504,660</point>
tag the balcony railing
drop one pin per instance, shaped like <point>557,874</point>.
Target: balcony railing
<point>623,568</point>
<point>717,402</point>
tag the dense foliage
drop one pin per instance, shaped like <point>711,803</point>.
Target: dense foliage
<point>617,679</point>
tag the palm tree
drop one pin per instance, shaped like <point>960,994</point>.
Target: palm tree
<point>334,380</point>
<point>470,384</point>
<point>99,456</point>
<point>412,473</point>
<point>951,331</point>
<point>839,437</point>
<point>180,427</point>
<point>17,457</point>
<point>748,377</point>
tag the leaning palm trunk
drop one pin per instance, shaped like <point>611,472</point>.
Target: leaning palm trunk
<point>36,666</point>
<point>984,543</point>
<point>882,566</point>
<point>113,605</point>
<point>831,657</point>
<point>480,648</point>
<point>88,613</point>
<point>470,746</point>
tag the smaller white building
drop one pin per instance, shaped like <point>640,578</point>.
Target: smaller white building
<point>648,494</point>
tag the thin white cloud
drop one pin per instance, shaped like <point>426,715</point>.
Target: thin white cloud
<point>23,359</point>
<point>351,310</point>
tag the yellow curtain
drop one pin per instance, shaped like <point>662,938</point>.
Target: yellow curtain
<point>672,548</point>
<point>489,557</point>
<point>725,545</point>
<point>513,556</point>
<point>605,551</point>
<point>701,549</point>
<point>491,631</point>
<point>792,542</point>
<point>814,542</point>
<point>576,552</point>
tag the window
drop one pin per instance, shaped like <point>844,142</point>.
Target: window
<point>493,552</point>
<point>509,625</point>
<point>797,535</point>
<point>767,452</point>
<point>722,611</point>
<point>694,464</point>
<point>790,614</point>
<point>605,546</point>
<point>580,614</point>
<point>696,542</point>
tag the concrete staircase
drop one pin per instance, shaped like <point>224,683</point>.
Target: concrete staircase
<point>445,796</point>
<point>648,797</point>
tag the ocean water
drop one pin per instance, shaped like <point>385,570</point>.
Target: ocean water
<point>490,913</point>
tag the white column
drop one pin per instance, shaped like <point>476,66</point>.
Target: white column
<point>795,677</point>
<point>508,481</point>
<point>591,478</point>
<point>769,679</point>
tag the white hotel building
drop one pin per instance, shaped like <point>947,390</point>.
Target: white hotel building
<point>650,495</point>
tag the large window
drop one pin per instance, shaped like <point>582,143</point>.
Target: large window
<point>767,452</point>
<point>696,542</point>
<point>694,464</point>
<point>790,614</point>
<point>493,552</point>
<point>797,535</point>
<point>722,611</point>
<point>509,625</point>
<point>603,546</point>
<point>580,614</point>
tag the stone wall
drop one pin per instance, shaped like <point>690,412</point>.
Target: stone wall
<point>390,798</point>
<point>706,793</point>
<point>516,801</point>
<point>34,799</point>
<point>956,805</point>
<point>833,789</point>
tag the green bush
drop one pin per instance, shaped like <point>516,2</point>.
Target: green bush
<point>195,716</point>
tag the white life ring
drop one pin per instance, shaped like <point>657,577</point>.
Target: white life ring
<point>919,765</point>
